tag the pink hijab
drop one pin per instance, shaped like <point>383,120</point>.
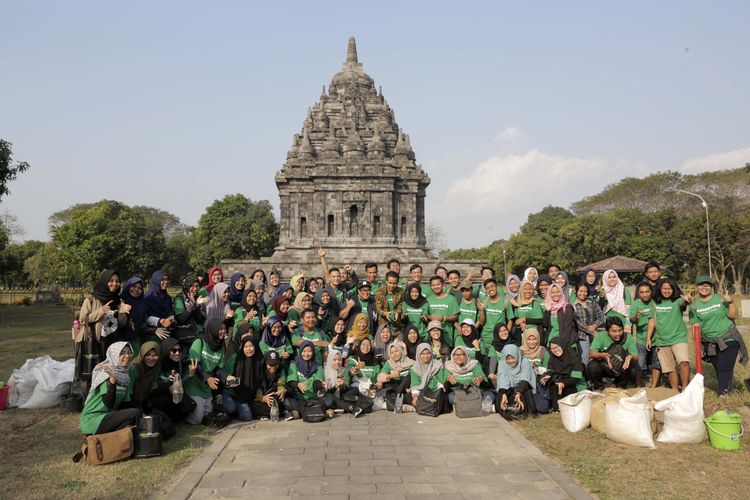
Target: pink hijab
<point>560,304</point>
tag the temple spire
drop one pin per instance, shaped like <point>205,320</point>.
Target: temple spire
<point>351,51</point>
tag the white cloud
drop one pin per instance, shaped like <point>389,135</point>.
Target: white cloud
<point>510,135</point>
<point>494,199</point>
<point>718,161</point>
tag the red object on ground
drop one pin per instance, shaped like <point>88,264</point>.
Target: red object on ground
<point>4,390</point>
<point>698,348</point>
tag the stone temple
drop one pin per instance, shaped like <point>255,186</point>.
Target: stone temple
<point>350,184</point>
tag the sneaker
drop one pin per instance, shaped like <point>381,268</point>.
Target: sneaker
<point>357,412</point>
<point>264,419</point>
<point>289,417</point>
<point>408,409</point>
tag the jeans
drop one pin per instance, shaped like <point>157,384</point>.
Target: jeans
<point>203,407</point>
<point>723,363</point>
<point>232,406</point>
<point>585,345</point>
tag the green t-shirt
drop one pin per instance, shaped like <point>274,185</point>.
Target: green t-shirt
<point>467,310</point>
<point>494,313</point>
<point>602,341</point>
<point>94,410</point>
<point>208,360</point>
<point>444,306</point>
<point>641,325</point>
<point>296,376</point>
<point>712,316</point>
<point>460,342</point>
<point>432,384</point>
<point>387,369</point>
<point>285,347</point>
<point>314,336</point>
<point>670,327</point>
<point>466,378</point>
<point>367,371</point>
<point>532,310</point>
<point>414,316</point>
<point>254,322</point>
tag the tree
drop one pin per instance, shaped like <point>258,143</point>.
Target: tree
<point>13,273</point>
<point>234,227</point>
<point>8,170</point>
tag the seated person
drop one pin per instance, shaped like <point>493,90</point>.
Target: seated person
<point>613,354</point>
<point>271,387</point>
<point>111,385</point>
<point>427,373</point>
<point>246,365</point>
<point>394,376</point>
<point>564,374</point>
<point>305,380</point>
<point>516,383</point>
<point>338,393</point>
<point>462,372</point>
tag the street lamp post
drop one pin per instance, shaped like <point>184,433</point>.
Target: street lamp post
<point>505,263</point>
<point>708,228</point>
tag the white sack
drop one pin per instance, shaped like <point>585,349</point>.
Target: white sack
<point>683,415</point>
<point>629,421</point>
<point>575,410</point>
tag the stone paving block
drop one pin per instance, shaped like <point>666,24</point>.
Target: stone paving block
<point>374,479</point>
<point>394,469</point>
<point>387,489</point>
<point>525,477</point>
<point>353,490</point>
<point>348,471</point>
<point>307,482</point>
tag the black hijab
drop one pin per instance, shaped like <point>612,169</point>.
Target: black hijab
<point>101,289</point>
<point>368,358</point>
<point>157,300</point>
<point>138,309</point>
<point>469,339</point>
<point>167,365</point>
<point>592,288</point>
<point>248,370</point>
<point>234,294</point>
<point>546,279</point>
<point>497,342</point>
<point>211,334</point>
<point>565,364</point>
<point>414,303</point>
<point>411,347</point>
<point>244,304</point>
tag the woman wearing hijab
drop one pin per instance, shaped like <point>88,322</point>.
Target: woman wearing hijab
<point>215,276</point>
<point>360,329</point>
<point>218,306</point>
<point>171,367</point>
<point>326,317</point>
<point>615,298</point>
<point>272,287</point>
<point>302,301</point>
<point>111,385</point>
<point>590,278</point>
<point>208,356</point>
<point>426,373</point>
<point>280,309</point>
<point>305,379</point>
<point>564,375</point>
<point>515,382</point>
<point>297,283</point>
<point>383,338</point>
<point>338,338</point>
<point>542,285</point>
<point>412,339</point>
<point>668,333</point>
<point>462,372</point>
<point>159,305</point>
<point>188,311</point>
<point>532,348</point>
<point>527,307</point>
<point>132,295</point>
<point>338,393</point>
<point>236,289</point>
<point>104,313</point>
<point>246,365</point>
<point>469,337</point>
<point>271,387</point>
<point>513,286</point>
<point>247,313</point>
<point>276,339</point>
<point>436,339</point>
<point>531,275</point>
<point>394,375</point>
<point>416,309</point>
<point>364,366</point>
<point>559,316</point>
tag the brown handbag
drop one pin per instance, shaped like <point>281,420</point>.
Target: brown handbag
<point>100,449</point>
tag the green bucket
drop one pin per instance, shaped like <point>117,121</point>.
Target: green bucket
<point>725,430</point>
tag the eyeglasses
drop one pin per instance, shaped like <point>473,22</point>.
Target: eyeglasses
<point>176,351</point>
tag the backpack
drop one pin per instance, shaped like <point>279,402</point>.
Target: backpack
<point>312,412</point>
<point>467,402</point>
<point>617,354</point>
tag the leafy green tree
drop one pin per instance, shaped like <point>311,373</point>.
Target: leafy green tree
<point>8,170</point>
<point>234,227</point>
<point>13,272</point>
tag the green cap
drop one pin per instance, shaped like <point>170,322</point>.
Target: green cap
<point>704,278</point>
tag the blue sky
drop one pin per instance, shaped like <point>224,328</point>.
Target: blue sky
<point>510,105</point>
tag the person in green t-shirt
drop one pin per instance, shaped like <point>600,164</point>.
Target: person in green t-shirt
<point>716,319</point>
<point>469,337</point>
<point>492,311</point>
<point>305,380</point>
<point>443,308</point>
<point>309,332</point>
<point>111,385</point>
<point>462,372</point>
<point>606,361</point>
<point>668,333</point>
<point>416,310</point>
<point>467,306</point>
<point>641,312</point>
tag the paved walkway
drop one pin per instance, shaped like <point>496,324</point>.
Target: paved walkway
<point>381,455</point>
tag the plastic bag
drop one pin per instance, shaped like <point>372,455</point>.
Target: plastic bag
<point>683,415</point>
<point>629,421</point>
<point>23,381</point>
<point>53,382</point>
<point>176,389</point>
<point>575,410</point>
<point>609,395</point>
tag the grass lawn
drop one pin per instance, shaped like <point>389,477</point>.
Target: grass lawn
<point>37,445</point>
<point>612,470</point>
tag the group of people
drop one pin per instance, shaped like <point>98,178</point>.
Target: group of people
<point>257,348</point>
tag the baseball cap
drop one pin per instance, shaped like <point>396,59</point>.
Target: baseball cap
<point>272,358</point>
<point>704,278</point>
<point>364,284</point>
<point>465,284</point>
<point>468,321</point>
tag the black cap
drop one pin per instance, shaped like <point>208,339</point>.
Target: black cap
<point>363,284</point>
<point>272,358</point>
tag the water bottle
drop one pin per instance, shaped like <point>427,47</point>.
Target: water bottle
<point>398,406</point>
<point>275,412</point>
<point>176,389</point>
<point>487,405</point>
<point>345,351</point>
